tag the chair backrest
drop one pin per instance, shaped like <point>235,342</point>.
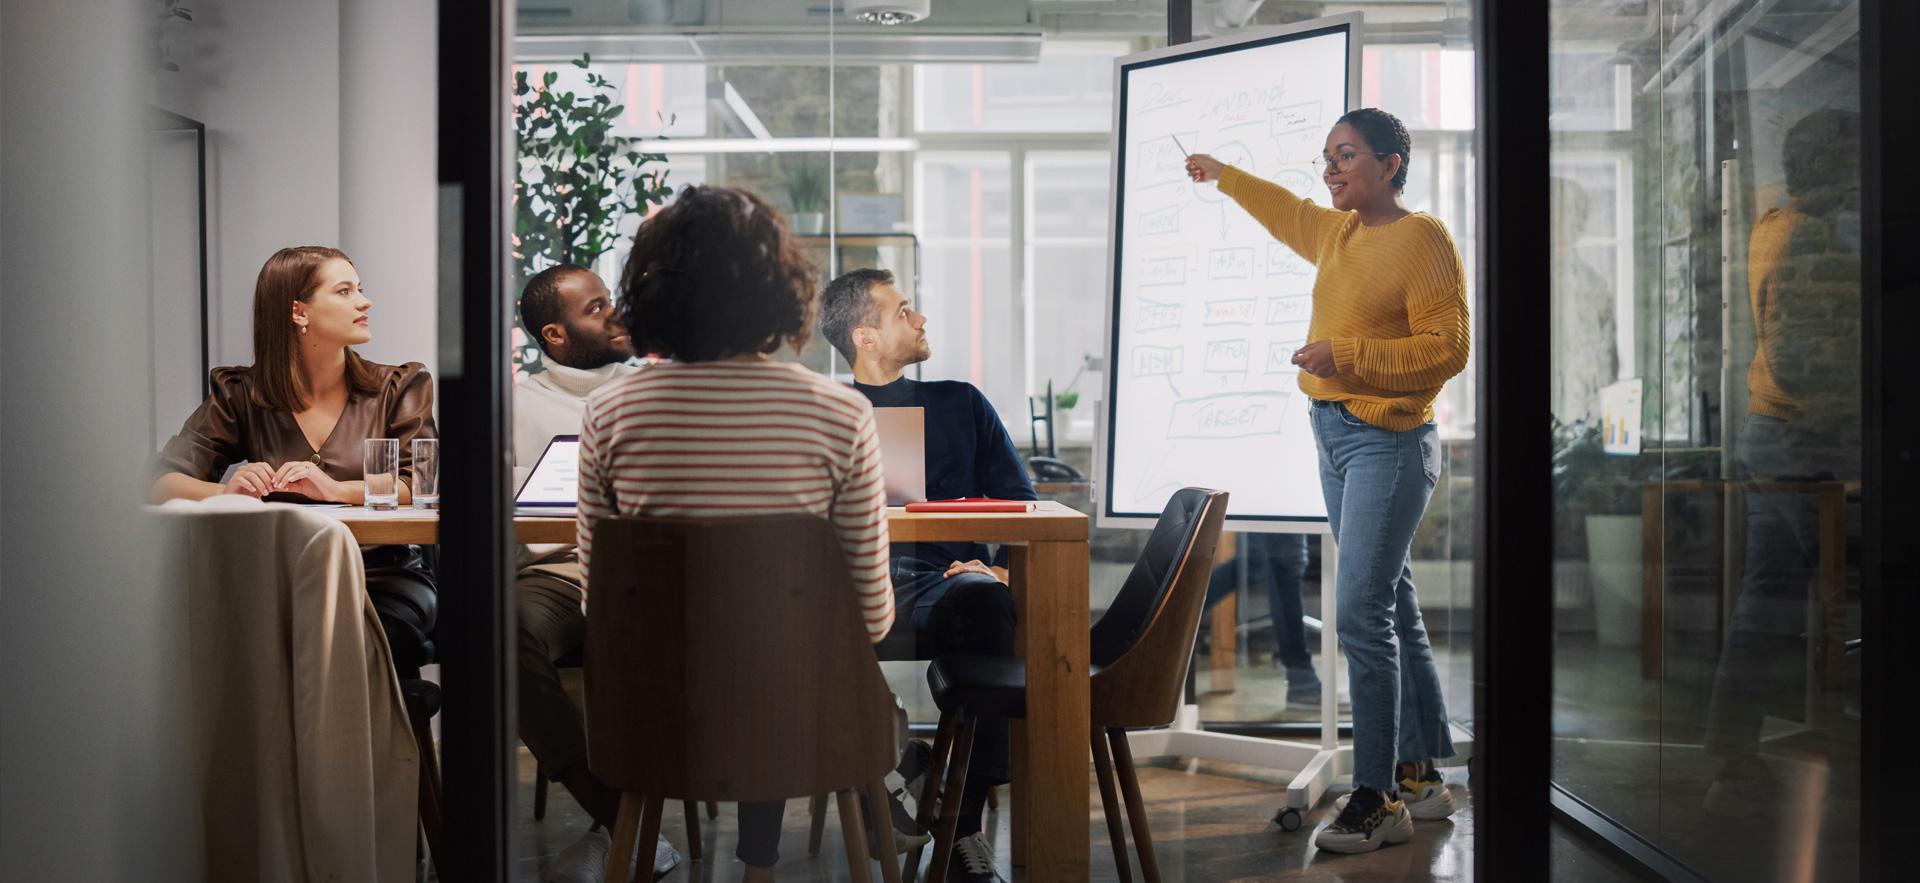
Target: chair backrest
<point>727,660</point>
<point>1142,645</point>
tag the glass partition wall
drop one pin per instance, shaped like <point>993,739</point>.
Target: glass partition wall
<point>1706,194</point>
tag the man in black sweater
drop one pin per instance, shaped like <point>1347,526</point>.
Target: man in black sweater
<point>950,597</point>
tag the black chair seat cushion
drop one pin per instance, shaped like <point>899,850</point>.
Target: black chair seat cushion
<point>981,686</point>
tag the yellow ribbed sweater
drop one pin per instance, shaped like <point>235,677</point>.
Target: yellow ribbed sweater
<point>1392,300</point>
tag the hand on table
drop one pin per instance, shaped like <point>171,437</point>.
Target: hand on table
<point>310,481</point>
<point>976,566</point>
<point>1203,168</point>
<point>1317,359</point>
<point>252,480</point>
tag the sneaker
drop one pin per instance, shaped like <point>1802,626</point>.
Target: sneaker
<point>1366,822</point>
<point>1426,797</point>
<point>908,834</point>
<point>1303,688</point>
<point>972,861</point>
<point>585,860</point>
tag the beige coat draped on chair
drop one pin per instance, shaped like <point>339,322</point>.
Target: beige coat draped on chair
<point>307,769</point>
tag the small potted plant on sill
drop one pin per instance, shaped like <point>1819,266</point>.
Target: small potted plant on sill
<point>807,197</point>
<point>1604,489</point>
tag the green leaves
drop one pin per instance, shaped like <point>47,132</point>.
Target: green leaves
<point>578,180</point>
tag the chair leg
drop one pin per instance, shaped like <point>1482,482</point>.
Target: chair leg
<point>713,809</point>
<point>1110,805</point>
<point>853,830</point>
<point>883,833</point>
<point>430,801</point>
<point>817,828</point>
<point>539,791</point>
<point>625,828</point>
<point>649,834</point>
<point>944,837</point>
<point>1136,809</point>
<point>693,829</point>
<point>926,814</point>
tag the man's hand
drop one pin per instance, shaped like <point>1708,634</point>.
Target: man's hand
<point>1316,358</point>
<point>976,566</point>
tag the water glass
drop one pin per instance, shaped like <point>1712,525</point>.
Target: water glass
<point>380,469</point>
<point>426,473</point>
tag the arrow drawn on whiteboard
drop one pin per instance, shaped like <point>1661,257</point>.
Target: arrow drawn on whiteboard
<point>1176,390</point>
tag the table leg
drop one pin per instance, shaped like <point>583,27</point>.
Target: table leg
<point>1050,797</point>
<point>1833,588</point>
<point>1652,567</point>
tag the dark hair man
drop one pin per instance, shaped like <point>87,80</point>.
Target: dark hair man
<point>570,314</point>
<point>952,597</point>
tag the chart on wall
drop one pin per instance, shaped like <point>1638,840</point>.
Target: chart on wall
<point>1205,307</point>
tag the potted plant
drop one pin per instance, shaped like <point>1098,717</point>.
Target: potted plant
<point>807,198</point>
<point>578,181</point>
<point>1604,490</point>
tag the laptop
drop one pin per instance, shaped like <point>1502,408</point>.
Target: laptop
<point>903,453</point>
<point>552,489</point>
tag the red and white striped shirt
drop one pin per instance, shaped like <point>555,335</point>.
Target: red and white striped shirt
<point>734,438</point>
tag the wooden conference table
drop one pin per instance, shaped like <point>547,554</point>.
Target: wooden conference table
<point>1050,804</point>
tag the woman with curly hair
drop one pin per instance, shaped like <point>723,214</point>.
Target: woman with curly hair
<point>1389,327</point>
<point>715,285</point>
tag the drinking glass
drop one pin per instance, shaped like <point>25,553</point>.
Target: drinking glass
<point>380,467</point>
<point>426,473</point>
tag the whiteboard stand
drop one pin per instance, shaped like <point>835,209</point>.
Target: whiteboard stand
<point>1321,765</point>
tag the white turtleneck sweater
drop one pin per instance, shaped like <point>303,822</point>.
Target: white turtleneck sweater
<point>545,405</point>
<point>550,403</point>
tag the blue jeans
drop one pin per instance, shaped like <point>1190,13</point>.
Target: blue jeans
<point>1279,562</point>
<point>1377,483</point>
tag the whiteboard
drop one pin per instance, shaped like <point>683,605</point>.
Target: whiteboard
<point>1205,307</point>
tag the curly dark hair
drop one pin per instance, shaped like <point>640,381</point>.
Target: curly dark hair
<point>715,275</point>
<point>1384,134</point>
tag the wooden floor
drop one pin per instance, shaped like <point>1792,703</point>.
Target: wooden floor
<point>1209,822</point>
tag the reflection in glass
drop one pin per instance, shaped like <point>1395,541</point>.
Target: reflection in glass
<point>1706,376</point>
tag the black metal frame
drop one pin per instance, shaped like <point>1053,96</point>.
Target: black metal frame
<point>1513,502</point>
<point>475,635</point>
<point>170,121</point>
<point>1890,499</point>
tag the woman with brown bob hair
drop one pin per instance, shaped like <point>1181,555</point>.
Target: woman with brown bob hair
<point>290,425</point>
<point>715,284</point>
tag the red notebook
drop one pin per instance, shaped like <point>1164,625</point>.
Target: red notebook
<point>972,504</point>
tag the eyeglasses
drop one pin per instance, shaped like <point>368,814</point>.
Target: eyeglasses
<point>1338,164</point>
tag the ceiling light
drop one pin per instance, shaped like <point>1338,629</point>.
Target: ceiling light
<point>888,12</point>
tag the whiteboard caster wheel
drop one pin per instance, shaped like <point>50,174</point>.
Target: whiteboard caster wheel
<point>1288,819</point>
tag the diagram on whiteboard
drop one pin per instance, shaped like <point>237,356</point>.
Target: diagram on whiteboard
<point>1207,307</point>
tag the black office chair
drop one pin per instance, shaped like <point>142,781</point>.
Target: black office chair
<point>1138,654</point>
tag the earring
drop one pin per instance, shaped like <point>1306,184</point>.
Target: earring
<point>303,329</point>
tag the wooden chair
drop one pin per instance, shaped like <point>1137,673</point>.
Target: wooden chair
<point>1138,654</point>
<point>727,660</point>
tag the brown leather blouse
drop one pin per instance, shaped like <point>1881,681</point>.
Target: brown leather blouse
<point>229,427</point>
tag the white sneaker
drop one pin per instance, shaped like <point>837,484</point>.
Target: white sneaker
<point>1366,823</point>
<point>1427,798</point>
<point>585,860</point>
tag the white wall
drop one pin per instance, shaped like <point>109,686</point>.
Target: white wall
<point>320,123</point>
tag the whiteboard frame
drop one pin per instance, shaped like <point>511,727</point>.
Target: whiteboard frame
<point>1104,516</point>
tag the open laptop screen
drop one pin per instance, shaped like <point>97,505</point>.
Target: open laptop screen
<point>555,479</point>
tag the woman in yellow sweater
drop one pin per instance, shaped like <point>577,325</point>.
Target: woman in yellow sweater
<point>1389,327</point>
